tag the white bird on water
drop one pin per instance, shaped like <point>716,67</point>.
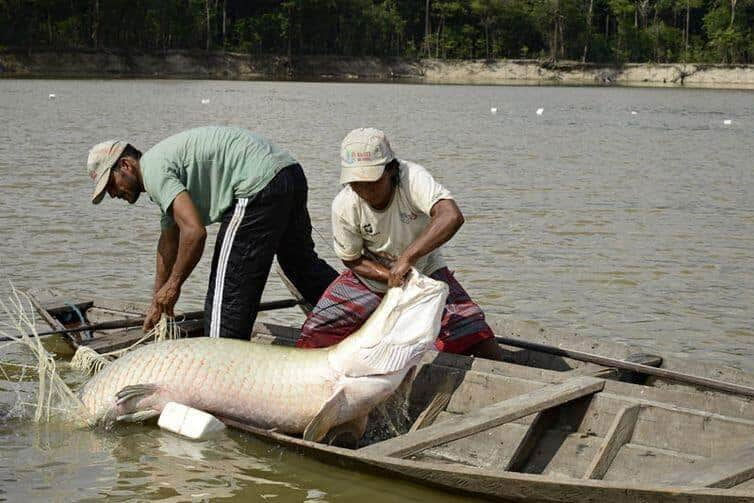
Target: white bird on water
<point>540,111</point>
<point>493,110</point>
<point>205,101</point>
<point>727,122</point>
<point>51,96</point>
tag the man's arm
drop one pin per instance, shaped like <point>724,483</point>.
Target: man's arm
<point>368,268</point>
<point>167,251</point>
<point>445,222</point>
<point>191,235</point>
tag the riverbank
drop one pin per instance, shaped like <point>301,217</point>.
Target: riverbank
<point>237,66</point>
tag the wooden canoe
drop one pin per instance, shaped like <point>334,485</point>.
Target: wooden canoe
<point>535,428</point>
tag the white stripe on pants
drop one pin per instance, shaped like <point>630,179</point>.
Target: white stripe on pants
<point>222,265</point>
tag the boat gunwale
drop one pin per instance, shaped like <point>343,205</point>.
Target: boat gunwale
<point>395,465</point>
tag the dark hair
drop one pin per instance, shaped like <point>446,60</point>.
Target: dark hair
<point>129,151</point>
<point>395,175</point>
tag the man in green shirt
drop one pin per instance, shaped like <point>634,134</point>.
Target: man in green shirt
<point>218,174</point>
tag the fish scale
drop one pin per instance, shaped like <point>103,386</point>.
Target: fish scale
<point>271,386</point>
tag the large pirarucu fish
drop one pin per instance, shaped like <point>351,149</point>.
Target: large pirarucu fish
<point>293,390</point>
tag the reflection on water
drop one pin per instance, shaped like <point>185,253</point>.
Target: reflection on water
<point>57,463</point>
<point>635,227</point>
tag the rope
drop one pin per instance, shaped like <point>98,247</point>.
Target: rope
<point>328,242</point>
<point>90,362</point>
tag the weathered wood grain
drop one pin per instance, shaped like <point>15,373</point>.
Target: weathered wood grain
<point>496,485</point>
<point>486,418</point>
<point>438,403</point>
<point>542,422</point>
<point>724,471</point>
<point>619,434</point>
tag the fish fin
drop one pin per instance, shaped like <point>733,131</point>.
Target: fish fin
<point>135,391</point>
<point>325,418</point>
<point>139,416</point>
<point>347,434</point>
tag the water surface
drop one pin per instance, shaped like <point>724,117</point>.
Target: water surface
<point>624,214</point>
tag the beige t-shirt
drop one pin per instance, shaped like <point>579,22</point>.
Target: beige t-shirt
<point>359,229</point>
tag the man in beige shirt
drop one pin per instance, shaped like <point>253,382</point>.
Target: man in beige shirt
<point>391,215</point>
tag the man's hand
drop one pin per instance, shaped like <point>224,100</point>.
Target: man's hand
<point>178,251</point>
<point>399,271</point>
<point>163,302</point>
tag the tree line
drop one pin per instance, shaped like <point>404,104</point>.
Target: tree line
<point>600,31</point>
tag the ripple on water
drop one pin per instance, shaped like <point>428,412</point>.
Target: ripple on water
<point>628,229</point>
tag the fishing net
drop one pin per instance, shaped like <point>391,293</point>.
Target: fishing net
<point>90,362</point>
<point>52,397</point>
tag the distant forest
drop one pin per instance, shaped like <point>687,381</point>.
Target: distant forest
<point>600,31</point>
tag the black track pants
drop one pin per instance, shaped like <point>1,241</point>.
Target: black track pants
<point>272,222</point>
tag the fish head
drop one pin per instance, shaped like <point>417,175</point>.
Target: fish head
<point>402,328</point>
<point>416,309</point>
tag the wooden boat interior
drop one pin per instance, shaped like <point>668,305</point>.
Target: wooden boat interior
<point>532,414</point>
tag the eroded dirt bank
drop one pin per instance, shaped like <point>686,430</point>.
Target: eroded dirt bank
<point>235,66</point>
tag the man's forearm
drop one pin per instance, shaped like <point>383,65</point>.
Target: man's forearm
<point>190,249</point>
<point>368,268</point>
<point>167,251</point>
<point>445,222</point>
<point>179,250</point>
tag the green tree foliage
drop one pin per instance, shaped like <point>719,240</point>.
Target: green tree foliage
<point>603,31</point>
<point>728,26</point>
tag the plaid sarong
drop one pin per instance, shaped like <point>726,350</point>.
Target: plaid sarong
<point>347,303</point>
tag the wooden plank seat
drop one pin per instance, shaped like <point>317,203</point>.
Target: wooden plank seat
<point>619,434</point>
<point>486,417</point>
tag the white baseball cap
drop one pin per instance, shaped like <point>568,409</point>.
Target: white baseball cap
<point>102,158</point>
<point>363,155</point>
